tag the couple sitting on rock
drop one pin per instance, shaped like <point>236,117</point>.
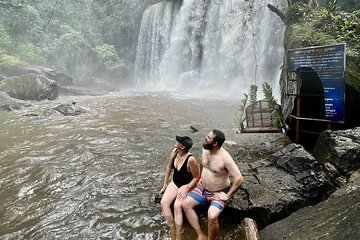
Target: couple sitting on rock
<point>192,186</point>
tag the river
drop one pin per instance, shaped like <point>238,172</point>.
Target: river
<point>95,175</point>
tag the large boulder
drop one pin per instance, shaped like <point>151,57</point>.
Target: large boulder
<point>279,185</point>
<point>30,87</point>
<point>336,218</point>
<point>8,104</point>
<point>339,148</point>
<point>21,69</point>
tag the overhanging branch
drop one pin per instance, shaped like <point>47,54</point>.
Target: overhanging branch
<point>277,11</point>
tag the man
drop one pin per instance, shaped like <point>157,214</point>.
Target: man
<point>216,165</point>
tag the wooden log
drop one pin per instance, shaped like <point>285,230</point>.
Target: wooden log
<point>249,229</point>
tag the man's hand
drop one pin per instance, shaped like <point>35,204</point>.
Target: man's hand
<point>182,193</point>
<point>222,196</point>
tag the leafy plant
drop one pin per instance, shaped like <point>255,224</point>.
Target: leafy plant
<point>30,53</point>
<point>240,113</point>
<point>277,117</point>
<point>253,93</point>
<point>107,53</point>
<point>7,60</point>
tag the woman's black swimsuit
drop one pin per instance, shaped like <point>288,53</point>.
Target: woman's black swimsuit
<point>182,176</point>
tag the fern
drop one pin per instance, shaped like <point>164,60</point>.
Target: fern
<point>253,93</point>
<point>240,113</point>
<point>277,117</point>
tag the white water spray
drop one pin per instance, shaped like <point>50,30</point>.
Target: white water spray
<point>210,48</point>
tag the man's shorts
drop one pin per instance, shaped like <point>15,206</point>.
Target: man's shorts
<point>202,196</point>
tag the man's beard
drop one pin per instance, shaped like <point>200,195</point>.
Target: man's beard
<point>208,146</point>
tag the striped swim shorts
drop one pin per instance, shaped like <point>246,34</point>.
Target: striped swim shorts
<point>202,196</point>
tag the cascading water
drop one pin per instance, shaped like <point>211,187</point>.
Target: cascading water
<point>205,47</point>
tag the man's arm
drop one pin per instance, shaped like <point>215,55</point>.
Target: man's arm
<point>235,173</point>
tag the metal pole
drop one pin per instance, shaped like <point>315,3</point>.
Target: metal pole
<point>298,98</point>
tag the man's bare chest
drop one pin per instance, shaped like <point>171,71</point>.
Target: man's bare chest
<point>213,164</point>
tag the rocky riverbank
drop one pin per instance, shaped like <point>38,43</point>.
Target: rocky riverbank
<point>293,194</point>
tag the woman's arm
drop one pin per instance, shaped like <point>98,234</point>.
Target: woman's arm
<point>194,169</point>
<point>168,170</point>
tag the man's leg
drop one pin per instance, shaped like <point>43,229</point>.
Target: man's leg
<point>188,205</point>
<point>213,223</point>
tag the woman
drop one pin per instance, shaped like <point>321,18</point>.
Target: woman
<point>186,174</point>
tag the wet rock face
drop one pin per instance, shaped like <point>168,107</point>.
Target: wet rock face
<point>69,109</point>
<point>23,69</point>
<point>281,184</point>
<point>31,87</point>
<point>336,218</point>
<point>340,148</point>
<point>250,147</point>
<point>8,104</point>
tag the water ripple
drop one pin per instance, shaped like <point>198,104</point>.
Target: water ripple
<point>94,176</point>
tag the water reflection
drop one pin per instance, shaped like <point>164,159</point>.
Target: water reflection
<point>94,176</point>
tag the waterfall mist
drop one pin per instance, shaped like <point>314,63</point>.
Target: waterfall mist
<point>203,48</point>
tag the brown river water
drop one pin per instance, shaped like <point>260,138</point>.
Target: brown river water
<point>95,175</point>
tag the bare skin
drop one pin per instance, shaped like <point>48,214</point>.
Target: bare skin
<point>216,165</point>
<point>172,192</point>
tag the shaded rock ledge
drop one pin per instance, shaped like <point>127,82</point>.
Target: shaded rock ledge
<point>279,185</point>
<point>336,218</point>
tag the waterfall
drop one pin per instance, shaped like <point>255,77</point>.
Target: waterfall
<point>212,47</point>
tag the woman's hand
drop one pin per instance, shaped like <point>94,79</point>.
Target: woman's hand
<point>163,189</point>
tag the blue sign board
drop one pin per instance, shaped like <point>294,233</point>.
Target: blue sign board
<point>329,64</point>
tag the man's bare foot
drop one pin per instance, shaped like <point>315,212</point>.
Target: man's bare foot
<point>202,238</point>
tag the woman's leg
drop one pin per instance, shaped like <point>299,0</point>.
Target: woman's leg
<point>168,197</point>
<point>178,215</point>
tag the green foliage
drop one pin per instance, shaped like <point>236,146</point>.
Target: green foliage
<point>7,60</point>
<point>253,93</point>
<point>78,37</point>
<point>5,39</point>
<point>296,13</point>
<point>22,20</point>
<point>107,53</point>
<point>239,115</point>
<point>71,42</point>
<point>111,61</point>
<point>353,75</point>
<point>28,52</point>
<point>70,49</point>
<point>315,25</point>
<point>276,115</point>
<point>346,5</point>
